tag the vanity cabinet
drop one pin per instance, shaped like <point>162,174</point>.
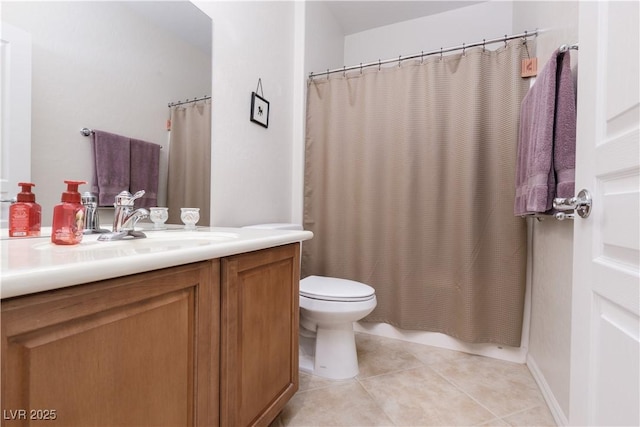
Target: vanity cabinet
<point>132,351</point>
<point>203,344</point>
<point>259,358</point>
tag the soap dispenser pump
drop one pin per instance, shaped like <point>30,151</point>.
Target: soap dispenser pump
<point>25,214</point>
<point>68,217</point>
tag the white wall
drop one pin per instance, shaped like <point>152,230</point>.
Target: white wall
<point>550,332</point>
<point>251,166</point>
<point>465,25</point>
<point>98,65</point>
<point>324,39</point>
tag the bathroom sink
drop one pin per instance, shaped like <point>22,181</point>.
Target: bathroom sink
<point>156,241</point>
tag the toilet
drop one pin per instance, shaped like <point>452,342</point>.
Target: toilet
<point>328,308</point>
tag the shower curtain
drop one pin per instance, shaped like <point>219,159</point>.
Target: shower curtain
<point>189,176</point>
<point>409,187</point>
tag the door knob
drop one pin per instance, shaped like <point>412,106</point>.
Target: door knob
<point>581,203</point>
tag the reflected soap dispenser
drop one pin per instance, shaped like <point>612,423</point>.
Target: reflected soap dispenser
<point>25,214</point>
<point>68,217</point>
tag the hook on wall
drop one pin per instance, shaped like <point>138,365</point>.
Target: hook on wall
<point>258,88</point>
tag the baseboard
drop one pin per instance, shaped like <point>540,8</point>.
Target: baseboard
<point>511,354</point>
<point>558,415</point>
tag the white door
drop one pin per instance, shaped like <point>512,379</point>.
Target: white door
<point>15,112</point>
<point>605,377</point>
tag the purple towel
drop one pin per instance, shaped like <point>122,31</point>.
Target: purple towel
<point>111,166</point>
<point>564,151</point>
<point>145,164</point>
<point>546,146</point>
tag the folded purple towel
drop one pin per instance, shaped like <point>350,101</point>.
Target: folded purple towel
<point>564,152</point>
<point>111,166</point>
<point>546,146</point>
<point>145,166</point>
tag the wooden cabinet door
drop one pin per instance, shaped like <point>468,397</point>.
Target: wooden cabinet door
<point>133,351</point>
<point>259,343</point>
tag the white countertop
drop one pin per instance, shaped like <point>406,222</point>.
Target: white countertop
<point>32,265</point>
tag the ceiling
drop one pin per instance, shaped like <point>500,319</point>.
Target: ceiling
<point>180,17</point>
<point>188,22</point>
<point>356,16</point>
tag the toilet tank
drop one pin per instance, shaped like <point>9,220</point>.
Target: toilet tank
<point>276,226</point>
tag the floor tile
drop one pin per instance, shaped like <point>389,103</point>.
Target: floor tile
<point>433,355</point>
<point>378,356</point>
<point>312,382</point>
<point>420,397</point>
<point>346,404</point>
<point>502,387</point>
<point>540,416</point>
<point>408,384</point>
<point>496,422</point>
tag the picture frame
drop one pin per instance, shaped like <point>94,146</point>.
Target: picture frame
<point>259,110</point>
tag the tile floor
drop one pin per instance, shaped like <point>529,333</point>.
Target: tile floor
<point>406,384</point>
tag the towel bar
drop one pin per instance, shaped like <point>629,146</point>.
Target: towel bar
<point>88,132</point>
<point>565,47</point>
<point>560,216</point>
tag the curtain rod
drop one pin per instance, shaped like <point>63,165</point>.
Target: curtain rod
<point>440,51</point>
<point>173,104</point>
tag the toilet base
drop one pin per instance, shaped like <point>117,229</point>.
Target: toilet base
<point>332,354</point>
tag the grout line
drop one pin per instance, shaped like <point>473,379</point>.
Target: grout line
<point>376,402</point>
<point>453,383</point>
<point>521,411</point>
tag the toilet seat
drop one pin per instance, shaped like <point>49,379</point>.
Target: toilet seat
<point>334,289</point>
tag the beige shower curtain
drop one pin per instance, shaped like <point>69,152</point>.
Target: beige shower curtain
<point>189,176</point>
<point>409,187</point>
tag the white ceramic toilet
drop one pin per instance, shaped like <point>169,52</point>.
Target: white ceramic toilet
<point>328,308</point>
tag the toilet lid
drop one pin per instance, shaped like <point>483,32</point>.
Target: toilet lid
<point>333,289</point>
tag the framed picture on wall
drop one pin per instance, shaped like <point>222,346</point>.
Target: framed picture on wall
<point>259,110</point>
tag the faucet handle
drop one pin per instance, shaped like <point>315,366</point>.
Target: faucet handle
<point>126,199</point>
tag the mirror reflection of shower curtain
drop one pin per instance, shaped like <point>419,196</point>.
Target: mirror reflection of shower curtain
<point>409,187</point>
<point>189,176</point>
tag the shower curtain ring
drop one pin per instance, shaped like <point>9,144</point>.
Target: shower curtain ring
<point>379,64</point>
<point>327,74</point>
<point>422,56</point>
<point>440,54</point>
<point>399,59</point>
<point>361,68</point>
<point>344,70</point>
<point>463,50</point>
<point>505,40</point>
<point>483,45</point>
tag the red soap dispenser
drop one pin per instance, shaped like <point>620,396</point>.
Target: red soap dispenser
<point>68,217</point>
<point>25,214</point>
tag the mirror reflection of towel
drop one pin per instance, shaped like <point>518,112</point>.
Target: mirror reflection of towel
<point>144,169</point>
<point>111,166</point>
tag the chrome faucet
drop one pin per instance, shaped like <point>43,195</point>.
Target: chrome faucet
<point>125,217</point>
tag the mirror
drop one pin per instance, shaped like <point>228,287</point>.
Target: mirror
<point>112,66</point>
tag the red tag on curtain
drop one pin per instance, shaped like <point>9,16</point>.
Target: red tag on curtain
<point>168,124</point>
